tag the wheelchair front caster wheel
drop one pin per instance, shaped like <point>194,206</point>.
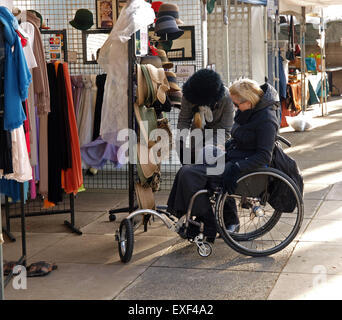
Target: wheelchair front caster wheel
<point>204,249</point>
<point>112,217</point>
<point>125,240</point>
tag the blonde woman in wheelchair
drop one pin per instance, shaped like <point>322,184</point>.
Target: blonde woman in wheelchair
<point>253,136</point>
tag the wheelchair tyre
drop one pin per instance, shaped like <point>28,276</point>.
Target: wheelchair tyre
<point>268,232</point>
<point>126,240</point>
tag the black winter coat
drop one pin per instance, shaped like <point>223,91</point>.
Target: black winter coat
<point>254,132</point>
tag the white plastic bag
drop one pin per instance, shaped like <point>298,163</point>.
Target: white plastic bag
<point>300,122</point>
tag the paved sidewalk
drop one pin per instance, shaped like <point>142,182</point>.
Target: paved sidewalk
<point>166,267</point>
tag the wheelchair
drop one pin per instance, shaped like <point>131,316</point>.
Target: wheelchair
<point>263,230</point>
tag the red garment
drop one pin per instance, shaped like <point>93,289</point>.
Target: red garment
<point>286,112</point>
<point>72,179</point>
<point>23,40</point>
<point>153,49</point>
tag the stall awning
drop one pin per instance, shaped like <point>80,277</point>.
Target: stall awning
<point>294,6</point>
<point>256,2</point>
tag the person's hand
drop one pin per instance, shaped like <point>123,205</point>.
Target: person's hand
<point>230,175</point>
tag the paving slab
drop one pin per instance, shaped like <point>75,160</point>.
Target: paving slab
<point>311,207</point>
<point>316,191</point>
<point>315,258</point>
<point>158,283</point>
<point>35,243</point>
<point>184,255</point>
<point>293,286</point>
<point>330,210</point>
<point>323,231</point>
<point>322,177</point>
<point>336,192</point>
<point>78,282</point>
<point>103,249</point>
<point>54,223</point>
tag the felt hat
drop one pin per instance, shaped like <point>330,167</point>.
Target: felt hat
<point>83,19</point>
<point>167,28</point>
<point>172,78</point>
<point>142,90</point>
<point>165,60</point>
<point>154,60</point>
<point>170,9</point>
<point>175,98</point>
<point>145,197</point>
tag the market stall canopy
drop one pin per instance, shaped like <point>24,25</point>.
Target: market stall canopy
<point>294,6</point>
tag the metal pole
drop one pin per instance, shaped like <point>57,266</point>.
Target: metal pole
<point>276,53</point>
<point>226,36</point>
<point>2,295</point>
<point>266,41</point>
<point>204,31</point>
<point>302,74</point>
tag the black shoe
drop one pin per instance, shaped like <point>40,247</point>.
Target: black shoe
<point>210,239</point>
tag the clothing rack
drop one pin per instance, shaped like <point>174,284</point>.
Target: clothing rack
<point>22,259</point>
<point>45,212</point>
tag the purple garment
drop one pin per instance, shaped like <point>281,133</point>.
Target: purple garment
<point>77,87</point>
<point>96,154</point>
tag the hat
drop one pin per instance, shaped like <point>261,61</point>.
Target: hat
<point>159,81</point>
<point>142,91</point>
<point>165,45</point>
<point>165,60</point>
<point>172,78</point>
<point>154,60</point>
<point>145,197</point>
<point>83,19</point>
<point>169,9</point>
<point>167,28</point>
<point>175,98</point>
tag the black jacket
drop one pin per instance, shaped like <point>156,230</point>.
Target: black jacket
<point>254,132</point>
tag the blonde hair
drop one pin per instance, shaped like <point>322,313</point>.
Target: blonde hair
<point>246,90</point>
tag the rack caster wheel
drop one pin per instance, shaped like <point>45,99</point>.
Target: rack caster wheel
<point>125,240</point>
<point>112,217</point>
<point>204,249</point>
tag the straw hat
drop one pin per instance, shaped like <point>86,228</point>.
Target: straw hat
<point>159,81</point>
<point>145,197</point>
<point>165,60</point>
<point>169,9</point>
<point>172,78</point>
<point>142,91</point>
<point>154,60</point>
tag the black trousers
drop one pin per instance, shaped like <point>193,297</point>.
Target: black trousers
<point>189,180</point>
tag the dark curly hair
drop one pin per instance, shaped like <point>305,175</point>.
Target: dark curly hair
<point>204,87</point>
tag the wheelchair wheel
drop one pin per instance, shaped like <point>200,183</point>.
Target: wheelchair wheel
<point>126,240</point>
<point>263,230</point>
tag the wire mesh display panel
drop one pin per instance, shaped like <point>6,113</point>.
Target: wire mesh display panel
<point>238,61</point>
<point>56,15</point>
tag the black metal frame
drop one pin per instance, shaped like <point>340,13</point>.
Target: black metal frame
<point>71,210</point>
<point>65,42</point>
<point>84,43</point>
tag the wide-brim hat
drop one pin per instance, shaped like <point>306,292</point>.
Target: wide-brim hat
<point>172,78</point>
<point>154,60</point>
<point>145,197</point>
<point>167,28</point>
<point>83,19</point>
<point>175,98</point>
<point>159,82</point>
<point>142,90</point>
<point>169,9</point>
<point>165,60</point>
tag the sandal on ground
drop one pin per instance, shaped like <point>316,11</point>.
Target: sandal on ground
<point>40,269</point>
<point>8,267</point>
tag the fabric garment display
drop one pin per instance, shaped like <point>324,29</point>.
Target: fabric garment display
<point>113,58</point>
<point>100,83</point>
<point>72,179</point>
<point>77,86</point>
<point>40,79</point>
<point>85,115</point>
<point>18,77</point>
